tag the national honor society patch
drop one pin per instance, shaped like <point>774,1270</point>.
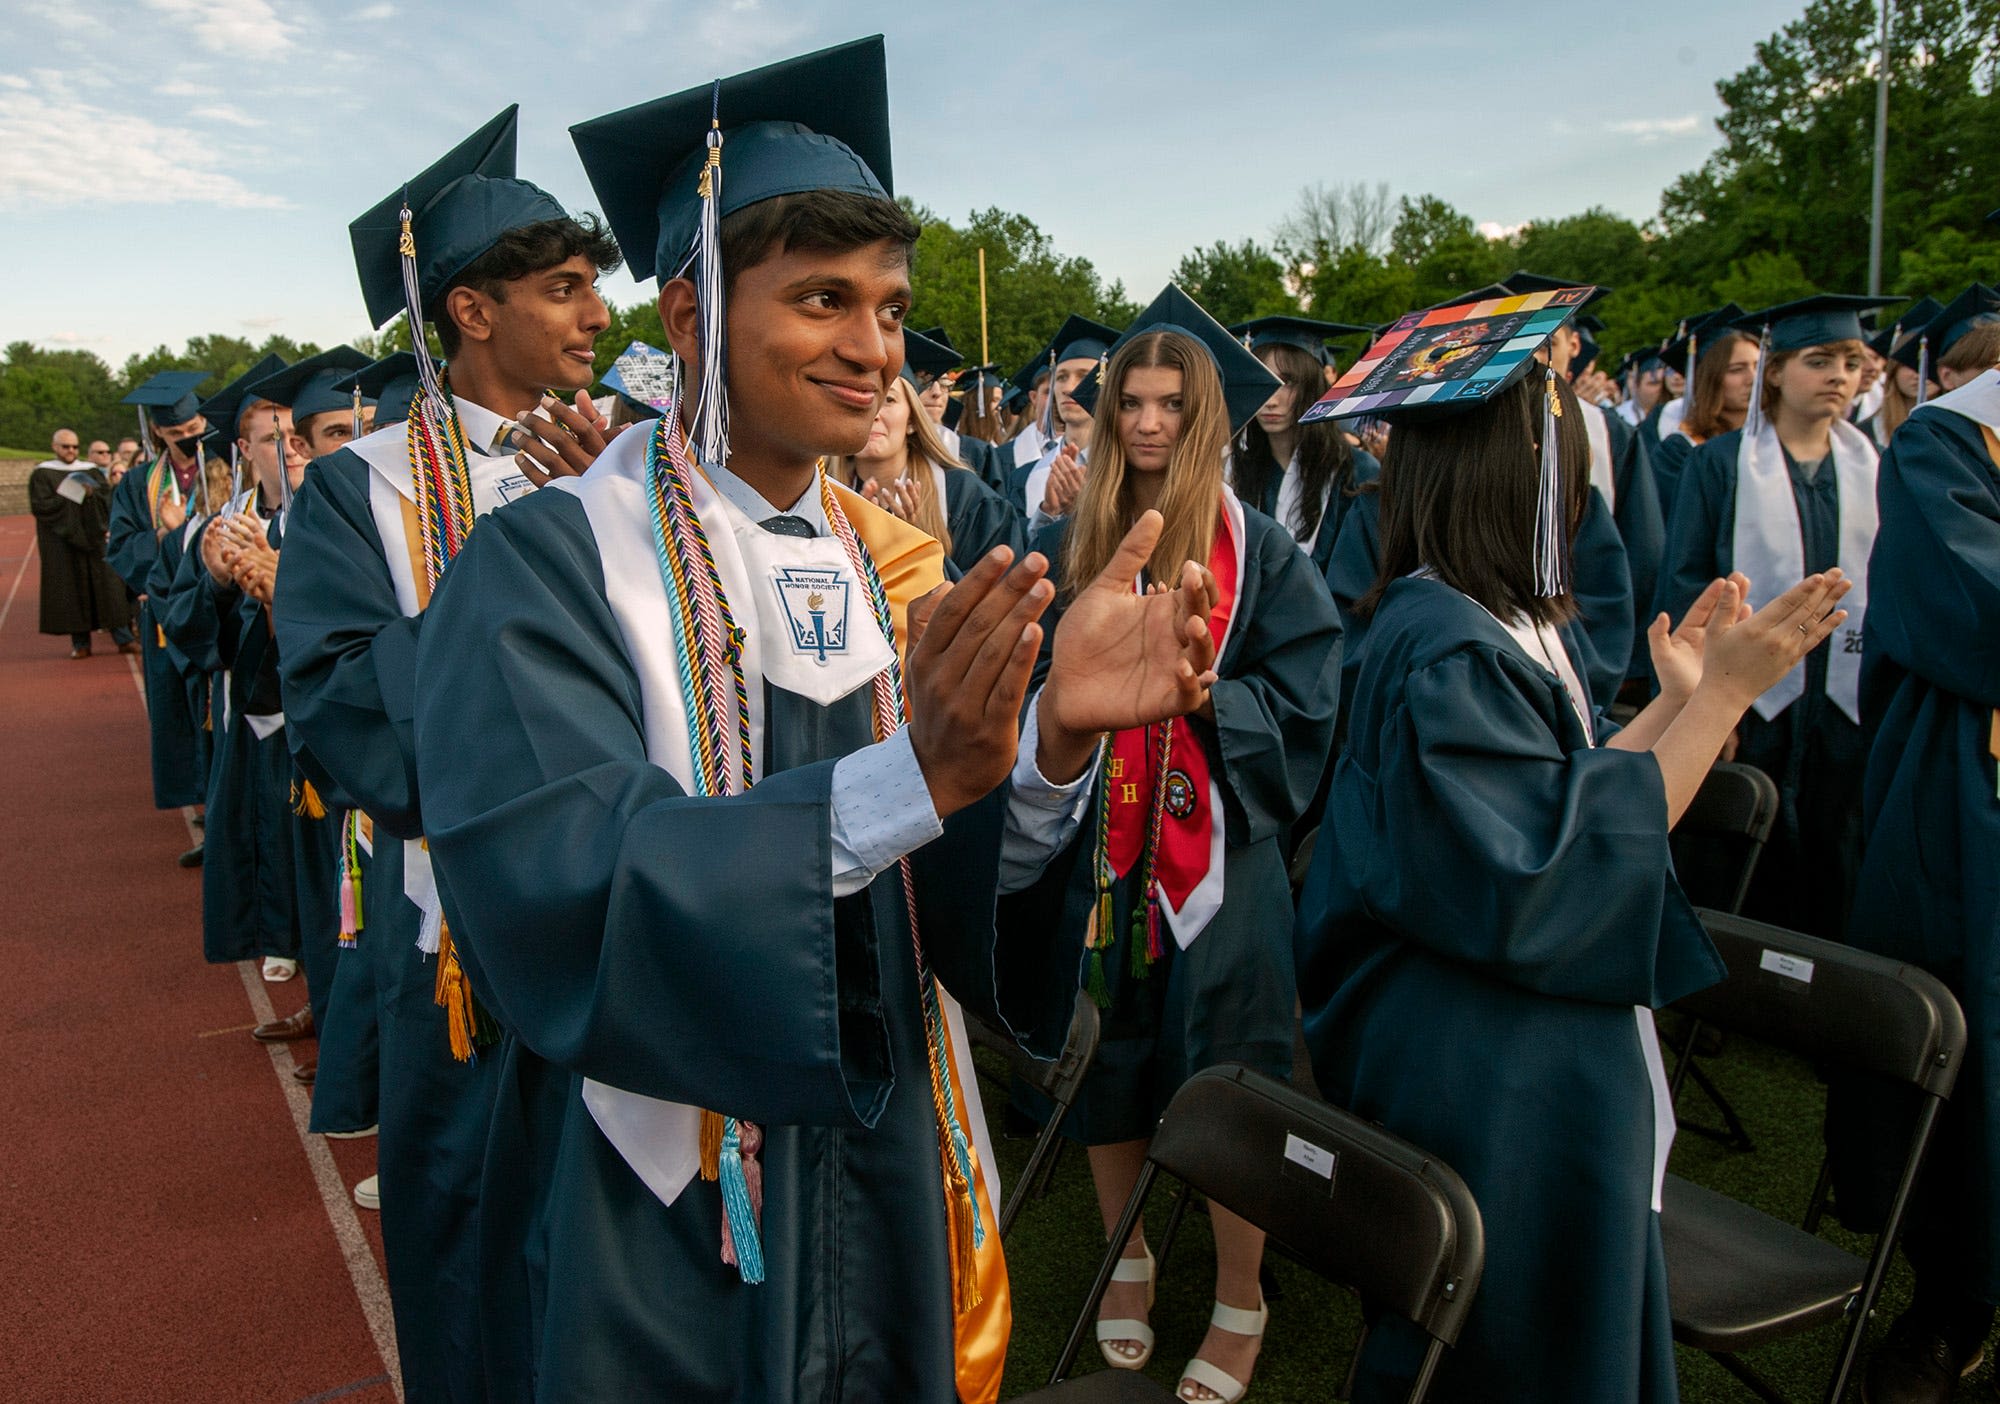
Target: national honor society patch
<point>815,603</point>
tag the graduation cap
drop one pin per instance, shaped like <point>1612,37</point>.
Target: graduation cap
<point>224,409</point>
<point>968,386</point>
<point>1490,293</point>
<point>458,209</point>
<point>923,355</point>
<point>942,338</point>
<point>1587,349</point>
<point>1522,281</point>
<point>643,376</point>
<point>1077,338</point>
<point>669,171</point>
<point>1811,321</point>
<point>1302,332</point>
<point>1976,306</point>
<point>311,386</point>
<point>1915,317</point>
<point>167,398</point>
<point>390,382</point>
<point>1694,333</point>
<point>1442,361</point>
<point>1247,383</point>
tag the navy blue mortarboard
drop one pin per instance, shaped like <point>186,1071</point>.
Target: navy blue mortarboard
<point>820,122</point>
<point>942,338</point>
<point>968,382</point>
<point>1247,383</point>
<point>1904,329</point>
<point>459,208</point>
<point>1811,321</point>
<point>1014,399</point>
<point>1077,338</point>
<point>312,386</point>
<point>1587,349</point>
<point>1589,325</point>
<point>1302,332</point>
<point>1976,306</point>
<point>168,397</point>
<point>224,409</point>
<point>390,382</point>
<point>1696,332</point>
<point>924,356</point>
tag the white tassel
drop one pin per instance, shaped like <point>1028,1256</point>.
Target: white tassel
<point>1551,555</point>
<point>711,405</point>
<point>1687,388</point>
<point>1753,422</point>
<point>235,472</point>
<point>1923,368</point>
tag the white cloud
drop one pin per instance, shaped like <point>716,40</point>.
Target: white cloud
<point>180,87</point>
<point>260,323</point>
<point>223,112</point>
<point>14,80</point>
<point>241,28</point>
<point>1493,229</point>
<point>55,154</point>
<point>73,338</point>
<point>1650,129</point>
<point>375,12</point>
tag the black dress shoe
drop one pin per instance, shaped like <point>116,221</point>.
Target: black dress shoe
<point>299,1025</point>
<point>192,858</point>
<point>1916,1365</point>
<point>305,1073</point>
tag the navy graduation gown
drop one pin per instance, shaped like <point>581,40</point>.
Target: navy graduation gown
<point>1470,953</point>
<point>1670,456</point>
<point>1805,876</point>
<point>1929,885</point>
<point>1231,995</point>
<point>979,519</point>
<point>1642,527</point>
<point>687,949</point>
<point>1339,502</point>
<point>249,902</point>
<point>179,741</point>
<point>349,680</point>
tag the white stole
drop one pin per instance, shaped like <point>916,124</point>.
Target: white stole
<point>1977,400</point>
<point>1600,452</point>
<point>1671,415</point>
<point>495,481</point>
<point>1769,547</point>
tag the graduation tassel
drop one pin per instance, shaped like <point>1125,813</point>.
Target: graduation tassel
<point>1551,530</point>
<point>454,993</point>
<point>711,405</point>
<point>961,1215</point>
<point>711,1145</point>
<point>351,917</point>
<point>1753,419</point>
<point>1923,368</point>
<point>1687,393</point>
<point>306,802</point>
<point>741,1245</point>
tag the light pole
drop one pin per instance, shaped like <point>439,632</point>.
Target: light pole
<point>1881,156</point>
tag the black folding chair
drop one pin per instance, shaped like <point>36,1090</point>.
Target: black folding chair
<point>1057,1080</point>
<point>1738,1278</point>
<point>1716,846</point>
<point>1350,1201</point>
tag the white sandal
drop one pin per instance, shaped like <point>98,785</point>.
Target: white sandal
<point>1228,1389</point>
<point>277,969</point>
<point>1125,1328</point>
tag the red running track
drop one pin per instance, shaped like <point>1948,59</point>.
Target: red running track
<point>168,1231</point>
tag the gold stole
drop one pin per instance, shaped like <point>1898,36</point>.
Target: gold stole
<point>911,564</point>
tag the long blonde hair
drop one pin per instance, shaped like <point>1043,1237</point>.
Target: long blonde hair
<point>1192,499</point>
<point>922,447</point>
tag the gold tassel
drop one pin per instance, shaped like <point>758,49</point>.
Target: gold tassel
<point>711,1145</point>
<point>964,1259</point>
<point>162,633</point>
<point>306,802</point>
<point>455,995</point>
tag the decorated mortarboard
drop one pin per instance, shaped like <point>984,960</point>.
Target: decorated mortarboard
<point>390,382</point>
<point>669,171</point>
<point>167,398</point>
<point>312,386</point>
<point>1247,383</point>
<point>1302,332</point>
<point>1811,321</point>
<point>456,210</point>
<point>1913,319</point>
<point>1522,281</point>
<point>924,356</point>
<point>644,376</point>
<point>1490,293</point>
<point>1076,339</point>
<point>224,409</point>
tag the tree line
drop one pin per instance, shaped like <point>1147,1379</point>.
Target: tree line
<point>1779,210</point>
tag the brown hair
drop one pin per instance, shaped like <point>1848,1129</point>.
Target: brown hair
<point>1192,497</point>
<point>1896,406</point>
<point>1459,496</point>
<point>1977,350</point>
<point>1776,361</point>
<point>974,422</point>
<point>1325,461</point>
<point>924,448</point>
<point>1704,420</point>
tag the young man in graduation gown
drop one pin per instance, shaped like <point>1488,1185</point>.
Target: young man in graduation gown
<point>699,975</point>
<point>150,508</point>
<point>81,593</point>
<point>1048,463</point>
<point>249,904</point>
<point>1929,885</point>
<point>509,281</point>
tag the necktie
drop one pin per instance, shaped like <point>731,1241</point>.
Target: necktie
<point>788,526</point>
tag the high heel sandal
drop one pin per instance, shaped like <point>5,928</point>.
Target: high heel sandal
<point>1228,1389</point>
<point>1125,1328</point>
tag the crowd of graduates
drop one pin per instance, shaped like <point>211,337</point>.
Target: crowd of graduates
<point>644,849</point>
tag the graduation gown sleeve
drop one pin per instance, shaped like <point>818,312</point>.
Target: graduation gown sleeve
<point>198,615</point>
<point>348,653</point>
<point>1603,589</point>
<point>1704,518</point>
<point>131,546</point>
<point>683,948</point>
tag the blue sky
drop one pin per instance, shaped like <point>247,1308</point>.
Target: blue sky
<point>173,167</point>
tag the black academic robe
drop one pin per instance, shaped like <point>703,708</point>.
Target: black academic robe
<point>1230,995</point>
<point>1805,876</point>
<point>1641,523</point>
<point>349,685</point>
<point>692,950</point>
<point>1470,953</point>
<point>80,591</point>
<point>249,901</point>
<point>1929,886</point>
<point>978,519</point>
<point>1598,638</point>
<point>174,720</point>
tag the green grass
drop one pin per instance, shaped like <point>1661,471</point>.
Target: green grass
<point>1054,1249</point>
<point>37,454</point>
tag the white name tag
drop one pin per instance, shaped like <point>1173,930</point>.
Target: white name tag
<point>1317,1159</point>
<point>1790,966</point>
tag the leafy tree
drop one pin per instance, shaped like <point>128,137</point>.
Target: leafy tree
<point>1235,282</point>
<point>1762,280</point>
<point>1596,246</point>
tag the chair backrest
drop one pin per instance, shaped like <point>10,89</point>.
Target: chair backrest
<point>1350,1201</point>
<point>1718,841</point>
<point>1059,1079</point>
<point>1833,1004</point>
